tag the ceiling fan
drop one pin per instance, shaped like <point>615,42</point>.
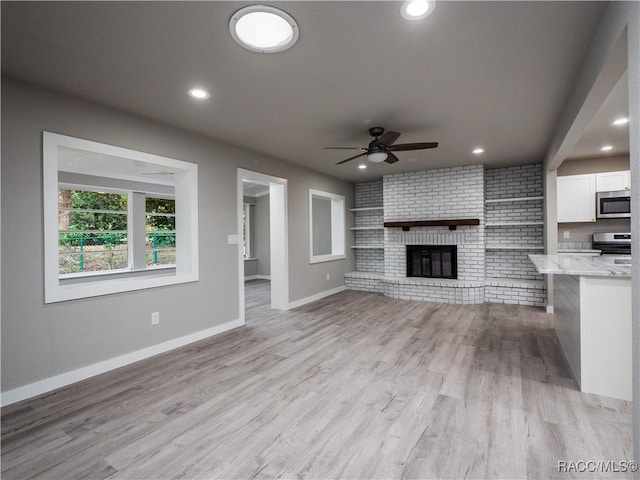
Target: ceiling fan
<point>381,148</point>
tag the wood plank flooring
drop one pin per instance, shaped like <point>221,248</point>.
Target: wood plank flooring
<point>356,385</point>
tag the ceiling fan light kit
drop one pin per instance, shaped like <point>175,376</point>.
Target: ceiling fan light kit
<point>377,157</point>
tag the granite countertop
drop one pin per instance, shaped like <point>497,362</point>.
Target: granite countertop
<point>603,266</point>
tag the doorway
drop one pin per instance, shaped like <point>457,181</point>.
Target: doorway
<point>251,249</point>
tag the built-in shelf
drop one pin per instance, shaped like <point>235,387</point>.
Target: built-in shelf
<point>365,209</point>
<point>512,224</point>
<point>366,228</point>
<point>372,247</point>
<point>514,247</point>
<point>451,223</point>
<point>514,199</point>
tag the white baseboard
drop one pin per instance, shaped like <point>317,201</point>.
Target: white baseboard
<point>67,378</point>
<point>257,277</point>
<point>317,296</point>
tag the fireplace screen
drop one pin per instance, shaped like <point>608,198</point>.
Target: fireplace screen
<point>432,261</point>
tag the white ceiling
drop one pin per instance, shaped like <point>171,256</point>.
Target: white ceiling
<point>251,189</point>
<point>490,74</point>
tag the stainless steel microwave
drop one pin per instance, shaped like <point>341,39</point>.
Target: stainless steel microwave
<point>613,204</point>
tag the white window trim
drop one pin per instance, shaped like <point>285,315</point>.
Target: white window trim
<point>338,227</point>
<point>186,194</point>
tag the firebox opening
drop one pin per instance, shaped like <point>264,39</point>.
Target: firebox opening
<point>432,261</point>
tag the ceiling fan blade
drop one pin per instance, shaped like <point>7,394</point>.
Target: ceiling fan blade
<point>413,146</point>
<point>342,148</point>
<point>391,158</point>
<point>352,158</point>
<point>388,138</point>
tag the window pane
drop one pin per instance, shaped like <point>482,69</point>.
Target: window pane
<point>161,231</point>
<point>92,231</point>
<point>92,261</point>
<point>321,226</point>
<point>160,205</point>
<point>161,248</point>
<point>159,223</point>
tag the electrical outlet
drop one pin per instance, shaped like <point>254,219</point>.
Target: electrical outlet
<point>155,318</point>
<point>566,234</point>
<point>328,276</point>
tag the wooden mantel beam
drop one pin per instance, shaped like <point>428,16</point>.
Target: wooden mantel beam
<point>451,223</point>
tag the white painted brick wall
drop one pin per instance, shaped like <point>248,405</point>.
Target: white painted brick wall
<point>515,212</point>
<point>368,218</point>
<point>456,192</point>
<point>515,296</point>
<point>370,261</point>
<point>362,281</point>
<point>510,264</point>
<point>513,182</point>
<point>368,194</point>
<point>509,182</point>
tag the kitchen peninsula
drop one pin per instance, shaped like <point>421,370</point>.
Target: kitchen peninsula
<point>592,319</point>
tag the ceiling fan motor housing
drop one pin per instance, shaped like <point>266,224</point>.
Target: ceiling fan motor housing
<point>376,131</point>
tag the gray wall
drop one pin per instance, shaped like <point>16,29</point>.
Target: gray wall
<point>262,245</point>
<point>250,268</point>
<point>40,341</point>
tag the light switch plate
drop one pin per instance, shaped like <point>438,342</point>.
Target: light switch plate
<point>232,239</point>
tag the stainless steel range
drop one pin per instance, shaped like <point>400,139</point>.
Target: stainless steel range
<point>613,243</point>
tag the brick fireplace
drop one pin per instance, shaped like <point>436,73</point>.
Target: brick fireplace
<point>450,193</point>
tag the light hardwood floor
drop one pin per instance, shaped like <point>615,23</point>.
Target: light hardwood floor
<point>356,385</point>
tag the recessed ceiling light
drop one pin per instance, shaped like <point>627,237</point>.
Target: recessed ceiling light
<point>199,93</point>
<point>362,166</point>
<point>606,148</point>
<point>478,151</point>
<point>621,121</point>
<point>417,9</point>
<point>264,29</point>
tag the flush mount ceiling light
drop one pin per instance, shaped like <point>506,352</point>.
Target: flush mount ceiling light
<point>606,148</point>
<point>377,156</point>
<point>264,29</point>
<point>199,93</point>
<point>478,151</point>
<point>417,9</point>
<point>621,121</point>
<point>362,166</point>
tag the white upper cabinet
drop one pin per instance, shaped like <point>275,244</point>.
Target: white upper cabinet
<point>577,198</point>
<point>612,181</point>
